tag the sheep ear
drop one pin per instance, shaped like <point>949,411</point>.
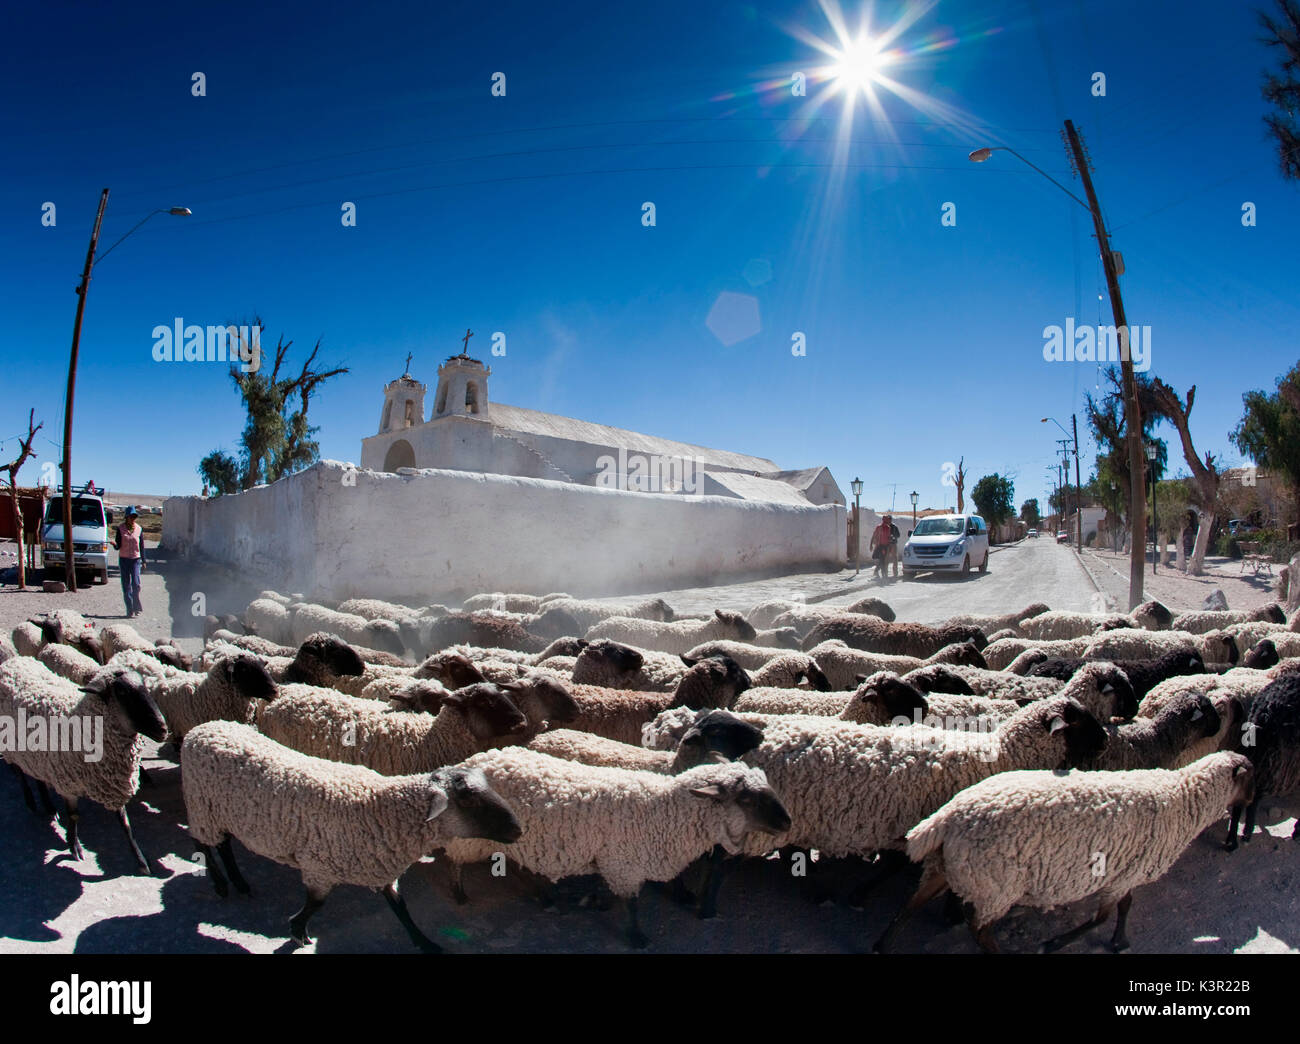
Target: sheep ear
<point>438,804</point>
<point>712,791</point>
<point>1108,687</point>
<point>1198,714</point>
<point>1056,724</point>
<point>859,678</point>
<point>689,661</point>
<point>718,614</point>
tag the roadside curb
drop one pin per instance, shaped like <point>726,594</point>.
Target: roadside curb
<point>1078,555</point>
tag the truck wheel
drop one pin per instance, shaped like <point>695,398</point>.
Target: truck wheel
<point>103,575</point>
<point>984,566</point>
<point>965,566</point>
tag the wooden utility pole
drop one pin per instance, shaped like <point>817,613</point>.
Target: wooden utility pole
<point>1132,410</point>
<point>1074,418</point>
<point>69,560</point>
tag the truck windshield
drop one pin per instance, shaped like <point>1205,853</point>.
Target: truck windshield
<point>940,527</point>
<point>85,512</point>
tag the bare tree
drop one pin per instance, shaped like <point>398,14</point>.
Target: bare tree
<point>13,467</point>
<point>961,485</point>
<point>1205,476</point>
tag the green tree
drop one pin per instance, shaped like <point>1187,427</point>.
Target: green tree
<point>1283,92</point>
<point>277,440</point>
<point>994,499</point>
<point>1269,430</point>
<point>1029,513</point>
<point>220,473</point>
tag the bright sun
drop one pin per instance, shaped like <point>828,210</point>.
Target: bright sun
<point>858,66</point>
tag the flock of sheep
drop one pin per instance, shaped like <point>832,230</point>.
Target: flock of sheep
<point>1033,759</point>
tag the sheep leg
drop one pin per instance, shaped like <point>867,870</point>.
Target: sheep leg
<point>1230,845</point>
<point>932,883</point>
<point>398,905</point>
<point>458,884</point>
<point>1119,941</point>
<point>74,846</point>
<point>713,874</point>
<point>28,800</point>
<point>298,922</point>
<point>146,780</point>
<point>1248,827</point>
<point>228,857</point>
<point>140,860</point>
<point>1065,938</point>
<point>636,938</point>
<point>214,870</point>
<point>47,803</point>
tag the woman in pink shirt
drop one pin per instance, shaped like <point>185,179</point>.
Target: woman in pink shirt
<point>129,542</point>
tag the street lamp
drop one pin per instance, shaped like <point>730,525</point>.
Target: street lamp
<point>69,556</point>
<point>857,524</point>
<point>1132,408</point>
<point>1153,452</point>
<point>915,496</point>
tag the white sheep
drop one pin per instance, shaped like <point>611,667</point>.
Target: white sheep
<point>1139,644</point>
<point>270,619</point>
<point>7,649</point>
<point>589,613</point>
<point>328,724</point>
<point>614,665</point>
<point>673,636</point>
<point>842,664</point>
<point>116,637</point>
<point>28,639</point>
<point>68,662</point>
<point>1205,620</point>
<point>100,743</point>
<point>377,609</point>
<point>749,656</point>
<point>716,735</point>
<point>1059,625</point>
<point>230,690</point>
<point>627,826</point>
<point>337,824</point>
<point>382,635</point>
<point>1046,839</point>
<point>1008,654</point>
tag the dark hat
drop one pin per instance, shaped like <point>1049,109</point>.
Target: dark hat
<point>131,511</point>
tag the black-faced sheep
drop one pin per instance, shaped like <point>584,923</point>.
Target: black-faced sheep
<point>871,634</point>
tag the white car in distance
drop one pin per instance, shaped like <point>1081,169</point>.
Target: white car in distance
<point>947,543</point>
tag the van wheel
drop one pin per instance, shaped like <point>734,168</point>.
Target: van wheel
<point>984,566</point>
<point>103,575</point>
<point>965,566</point>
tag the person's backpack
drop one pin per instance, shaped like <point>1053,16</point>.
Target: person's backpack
<point>893,532</point>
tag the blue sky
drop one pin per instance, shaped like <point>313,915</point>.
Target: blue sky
<point>522,214</point>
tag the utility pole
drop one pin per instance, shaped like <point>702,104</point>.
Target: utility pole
<point>1078,485</point>
<point>1132,410</point>
<point>69,560</point>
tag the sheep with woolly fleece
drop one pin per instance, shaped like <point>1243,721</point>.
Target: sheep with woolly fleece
<point>1286,643</point>
<point>788,671</point>
<point>1159,741</point>
<point>1017,655</point>
<point>1273,724</point>
<point>270,619</point>
<point>871,634</point>
<point>675,637</point>
<point>68,662</point>
<point>1204,620</point>
<point>483,628</point>
<point>1059,625</point>
<point>749,656</point>
<point>27,639</point>
<point>382,635</point>
<point>1143,675</point>
<point>230,690</point>
<point>627,826</point>
<point>887,699</point>
<point>777,638</point>
<point>621,714</point>
<point>275,596</point>
<point>337,824</point>
<point>990,624</point>
<point>716,735</point>
<point>842,664</point>
<point>377,609</point>
<point>803,618</point>
<point>614,665</point>
<point>765,614</point>
<point>252,643</point>
<point>515,603</point>
<point>1032,838</point>
<point>1006,632</point>
<point>589,613</point>
<point>67,627</point>
<point>116,637</point>
<point>115,707</point>
<point>1139,644</point>
<point>1241,682</point>
<point>853,790</point>
<point>7,649</point>
<point>1002,685</point>
<point>329,724</point>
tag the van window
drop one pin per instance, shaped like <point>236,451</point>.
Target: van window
<point>85,512</point>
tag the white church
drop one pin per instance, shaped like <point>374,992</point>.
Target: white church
<point>469,432</point>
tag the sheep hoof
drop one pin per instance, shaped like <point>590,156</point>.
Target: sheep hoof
<point>1118,945</point>
<point>301,938</point>
<point>1230,845</point>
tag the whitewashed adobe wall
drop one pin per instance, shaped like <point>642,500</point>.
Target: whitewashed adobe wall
<point>428,535</point>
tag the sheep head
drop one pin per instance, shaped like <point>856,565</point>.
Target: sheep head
<point>424,697</point>
<point>736,625</point>
<point>544,700</point>
<point>749,802</point>
<point>1082,735</point>
<point>889,698</point>
<point>622,659</point>
<point>127,697</point>
<point>453,669</point>
<point>488,711</point>
<point>331,653</point>
<point>246,675</point>
<point>1262,656</point>
<point>465,805</point>
<point>718,734</point>
<point>961,654</point>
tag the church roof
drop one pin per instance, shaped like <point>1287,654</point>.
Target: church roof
<point>756,487</point>
<point>535,422</point>
<point>800,479</point>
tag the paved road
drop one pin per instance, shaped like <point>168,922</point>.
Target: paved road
<point>1031,571</point>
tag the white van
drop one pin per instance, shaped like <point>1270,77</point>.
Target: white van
<point>947,543</point>
<point>90,539</point>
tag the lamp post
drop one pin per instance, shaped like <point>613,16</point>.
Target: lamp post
<point>1153,452</point>
<point>915,496</point>
<point>1078,482</point>
<point>1132,409</point>
<point>69,556</point>
<point>857,525</point>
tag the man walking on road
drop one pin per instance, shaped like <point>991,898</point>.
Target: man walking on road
<point>129,541</point>
<point>884,546</point>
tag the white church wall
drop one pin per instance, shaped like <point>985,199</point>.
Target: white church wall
<point>433,535</point>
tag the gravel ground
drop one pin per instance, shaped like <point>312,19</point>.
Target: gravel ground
<point>1210,902</point>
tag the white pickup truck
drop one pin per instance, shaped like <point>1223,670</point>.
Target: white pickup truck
<point>90,538</point>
